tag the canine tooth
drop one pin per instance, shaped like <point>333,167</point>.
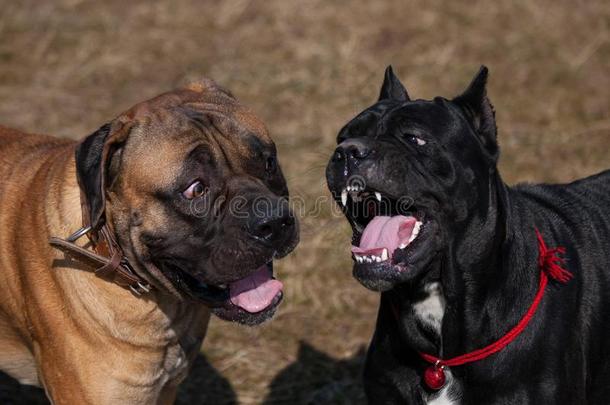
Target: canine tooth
<point>344,197</point>
<point>384,255</point>
<point>378,196</point>
<point>404,245</point>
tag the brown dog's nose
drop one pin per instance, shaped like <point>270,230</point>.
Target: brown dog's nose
<point>274,227</point>
<point>351,149</point>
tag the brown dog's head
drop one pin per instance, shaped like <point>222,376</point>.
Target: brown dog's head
<point>190,183</point>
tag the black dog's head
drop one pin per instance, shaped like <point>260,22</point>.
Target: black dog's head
<point>191,185</point>
<point>408,174</point>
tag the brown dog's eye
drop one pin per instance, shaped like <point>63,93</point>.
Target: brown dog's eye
<point>271,165</point>
<point>195,190</point>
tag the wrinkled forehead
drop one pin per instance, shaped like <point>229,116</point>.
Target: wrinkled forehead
<point>367,121</point>
<point>387,116</point>
<point>173,125</point>
<point>198,99</point>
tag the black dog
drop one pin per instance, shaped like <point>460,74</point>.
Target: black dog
<point>455,253</point>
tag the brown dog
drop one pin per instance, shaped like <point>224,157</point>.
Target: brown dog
<point>184,207</point>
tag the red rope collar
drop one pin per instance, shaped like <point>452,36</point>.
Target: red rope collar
<point>550,266</point>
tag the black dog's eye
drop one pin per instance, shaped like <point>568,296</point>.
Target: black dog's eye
<point>415,140</point>
<point>195,190</point>
<point>271,165</point>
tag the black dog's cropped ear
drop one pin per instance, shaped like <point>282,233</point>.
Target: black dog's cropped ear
<point>392,88</point>
<point>480,112</point>
<point>93,158</point>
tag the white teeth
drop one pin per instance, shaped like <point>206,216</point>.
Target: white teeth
<point>372,259</point>
<point>404,245</point>
<point>415,232</point>
<point>344,197</point>
<point>378,196</point>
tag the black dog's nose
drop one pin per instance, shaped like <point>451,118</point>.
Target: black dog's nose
<point>351,149</point>
<point>273,227</point>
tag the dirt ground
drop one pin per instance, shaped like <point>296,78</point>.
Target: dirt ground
<point>306,67</point>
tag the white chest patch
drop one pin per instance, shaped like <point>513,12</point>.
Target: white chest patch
<point>431,309</point>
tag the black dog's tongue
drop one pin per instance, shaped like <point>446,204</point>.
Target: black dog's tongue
<point>255,292</point>
<point>385,233</point>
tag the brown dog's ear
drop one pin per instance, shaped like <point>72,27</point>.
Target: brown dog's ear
<point>392,88</point>
<point>93,157</point>
<point>480,112</point>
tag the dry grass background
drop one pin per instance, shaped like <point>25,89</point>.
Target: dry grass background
<point>306,67</point>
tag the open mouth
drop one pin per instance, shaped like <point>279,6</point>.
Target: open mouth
<point>387,231</point>
<point>249,300</point>
<point>253,299</point>
<point>383,236</point>
<point>257,292</point>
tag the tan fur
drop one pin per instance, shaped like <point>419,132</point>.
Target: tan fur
<point>83,339</point>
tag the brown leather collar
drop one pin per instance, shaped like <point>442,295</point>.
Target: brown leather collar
<point>108,259</point>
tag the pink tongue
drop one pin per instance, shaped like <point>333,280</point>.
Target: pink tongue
<point>385,232</point>
<point>255,292</point>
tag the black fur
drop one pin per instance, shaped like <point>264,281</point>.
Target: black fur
<point>483,252</point>
<point>93,159</point>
